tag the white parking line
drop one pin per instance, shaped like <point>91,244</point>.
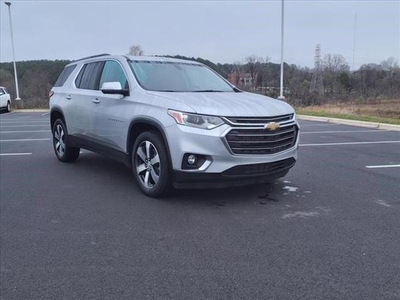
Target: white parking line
<point>4,126</point>
<point>14,154</point>
<point>382,166</point>
<point>350,143</point>
<point>24,122</point>
<point>25,131</point>
<point>24,140</point>
<point>342,131</point>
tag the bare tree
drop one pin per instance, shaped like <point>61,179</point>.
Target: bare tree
<point>236,71</point>
<point>390,83</point>
<point>389,64</point>
<point>264,72</point>
<point>135,50</point>
<point>253,64</point>
<point>334,65</point>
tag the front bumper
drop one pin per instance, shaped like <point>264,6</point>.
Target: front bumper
<point>223,168</point>
<point>235,176</point>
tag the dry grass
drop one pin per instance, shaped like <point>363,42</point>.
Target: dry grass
<point>384,111</point>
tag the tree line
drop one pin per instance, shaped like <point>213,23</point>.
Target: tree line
<point>35,80</point>
<point>339,83</point>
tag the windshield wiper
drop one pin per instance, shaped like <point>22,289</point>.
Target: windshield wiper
<point>207,91</point>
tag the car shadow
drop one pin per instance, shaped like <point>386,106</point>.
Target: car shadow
<point>105,169</point>
<point>262,193</point>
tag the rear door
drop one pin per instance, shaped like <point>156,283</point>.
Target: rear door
<point>82,100</point>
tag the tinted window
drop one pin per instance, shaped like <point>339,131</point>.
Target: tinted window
<point>88,78</point>
<point>178,77</point>
<point>79,77</point>
<point>113,72</point>
<point>64,75</point>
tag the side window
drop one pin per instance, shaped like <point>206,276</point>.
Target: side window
<point>78,79</point>
<point>64,75</point>
<point>89,76</point>
<point>113,72</point>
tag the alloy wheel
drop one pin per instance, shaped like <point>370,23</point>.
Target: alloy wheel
<point>148,165</point>
<point>59,140</point>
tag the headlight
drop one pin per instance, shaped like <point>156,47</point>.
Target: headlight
<point>195,120</point>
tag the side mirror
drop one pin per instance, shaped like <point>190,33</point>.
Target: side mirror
<point>114,88</point>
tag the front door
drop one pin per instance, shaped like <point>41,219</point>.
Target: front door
<point>110,116</point>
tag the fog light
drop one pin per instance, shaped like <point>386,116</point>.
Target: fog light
<point>192,159</point>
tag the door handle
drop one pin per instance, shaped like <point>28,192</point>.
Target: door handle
<point>68,97</point>
<point>97,101</point>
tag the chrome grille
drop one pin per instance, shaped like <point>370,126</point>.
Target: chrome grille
<point>261,141</point>
<point>259,120</point>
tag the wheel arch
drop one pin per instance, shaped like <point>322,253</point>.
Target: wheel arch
<point>140,125</point>
<point>55,114</point>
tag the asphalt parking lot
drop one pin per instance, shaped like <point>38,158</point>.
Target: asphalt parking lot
<point>329,230</point>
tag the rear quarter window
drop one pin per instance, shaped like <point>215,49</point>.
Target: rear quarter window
<point>64,75</point>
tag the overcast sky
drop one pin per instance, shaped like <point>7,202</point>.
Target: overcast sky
<point>221,31</point>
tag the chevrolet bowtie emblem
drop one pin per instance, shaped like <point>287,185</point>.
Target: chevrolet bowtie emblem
<point>272,126</point>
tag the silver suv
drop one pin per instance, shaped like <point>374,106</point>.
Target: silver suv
<point>174,122</point>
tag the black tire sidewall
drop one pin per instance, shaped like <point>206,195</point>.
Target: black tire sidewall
<point>8,107</point>
<point>56,123</point>
<point>164,183</point>
<point>70,154</point>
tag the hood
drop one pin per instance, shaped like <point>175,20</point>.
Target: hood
<point>230,104</point>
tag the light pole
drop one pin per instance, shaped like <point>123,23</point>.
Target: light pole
<point>282,38</point>
<point>18,100</point>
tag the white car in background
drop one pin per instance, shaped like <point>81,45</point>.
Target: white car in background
<point>5,99</point>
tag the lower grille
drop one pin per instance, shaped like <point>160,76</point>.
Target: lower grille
<point>261,169</point>
<point>261,141</point>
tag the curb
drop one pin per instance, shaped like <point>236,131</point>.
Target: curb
<point>16,110</point>
<point>383,126</point>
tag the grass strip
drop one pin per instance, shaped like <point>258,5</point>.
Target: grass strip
<point>322,113</point>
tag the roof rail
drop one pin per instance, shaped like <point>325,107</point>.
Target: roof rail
<point>93,56</point>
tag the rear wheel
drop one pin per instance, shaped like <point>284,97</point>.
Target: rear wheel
<point>8,106</point>
<point>63,151</point>
<point>150,164</point>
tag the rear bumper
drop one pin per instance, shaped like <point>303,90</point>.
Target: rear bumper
<point>235,176</point>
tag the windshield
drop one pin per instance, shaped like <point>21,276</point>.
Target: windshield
<point>178,77</point>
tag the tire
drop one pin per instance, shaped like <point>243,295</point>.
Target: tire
<point>63,151</point>
<point>150,165</point>
<point>8,107</point>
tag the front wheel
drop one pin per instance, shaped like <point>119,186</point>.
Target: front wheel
<point>62,149</point>
<point>150,164</point>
